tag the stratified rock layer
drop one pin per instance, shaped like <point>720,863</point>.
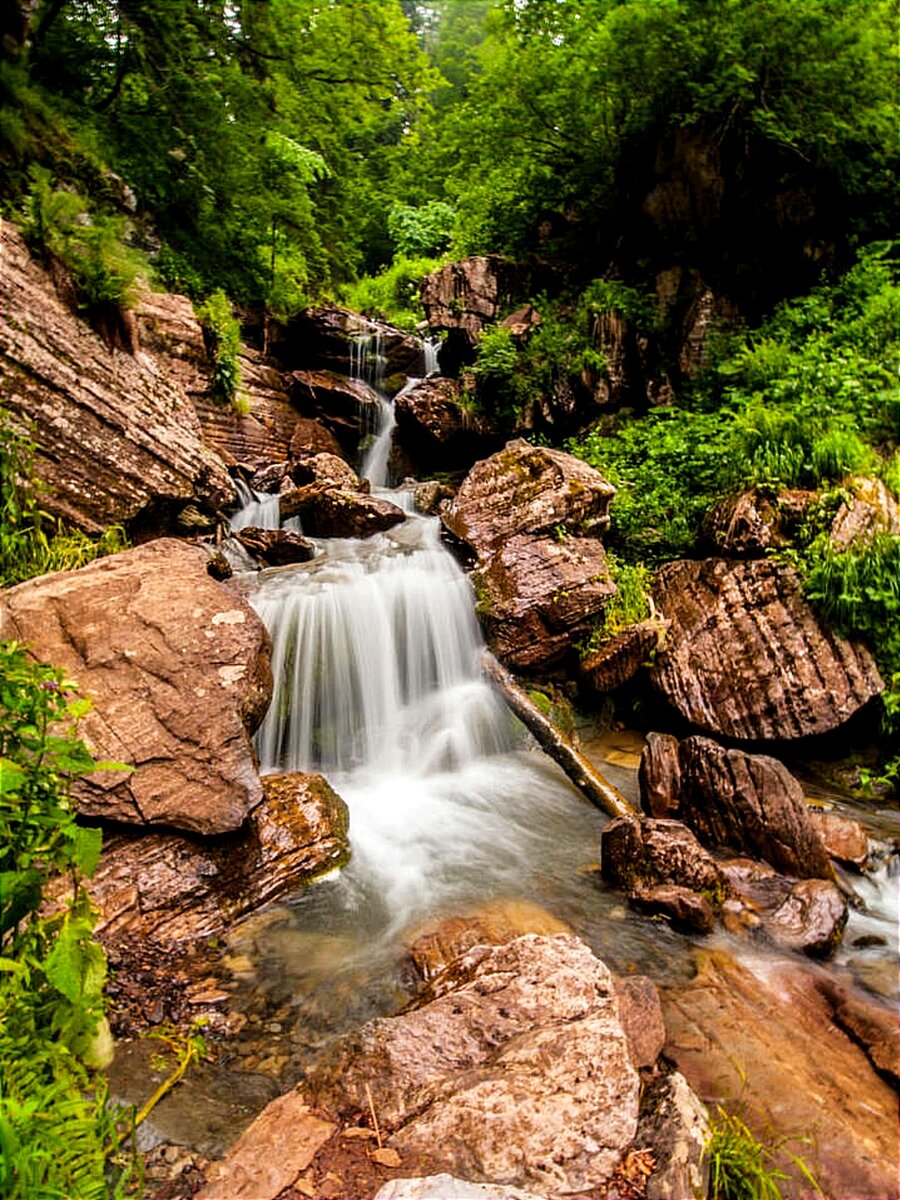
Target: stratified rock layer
<point>175,888</point>
<point>528,489</point>
<point>745,656</point>
<point>116,434</point>
<point>177,667</point>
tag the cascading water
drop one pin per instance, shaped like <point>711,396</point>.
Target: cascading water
<point>259,509</point>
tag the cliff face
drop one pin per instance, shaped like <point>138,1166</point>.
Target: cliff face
<point>116,435</point>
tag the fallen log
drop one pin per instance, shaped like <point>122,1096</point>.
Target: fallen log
<point>554,742</point>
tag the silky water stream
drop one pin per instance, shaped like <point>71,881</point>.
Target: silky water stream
<point>376,653</point>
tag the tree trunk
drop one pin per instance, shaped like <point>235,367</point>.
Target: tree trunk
<point>554,742</point>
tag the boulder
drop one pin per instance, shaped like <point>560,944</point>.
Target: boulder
<point>644,851</point>
<point>686,910</point>
<point>536,594</point>
<point>326,468</point>
<point>437,431</point>
<point>117,438</point>
<point>640,1013</point>
<point>348,408</point>
<point>811,918</point>
<point>311,437</point>
<point>328,511</point>
<point>276,547</point>
<point>179,888</point>
<point>491,924</point>
<point>177,668</point>
<point>745,657</point>
<point>512,1067</point>
<point>462,298</point>
<point>868,510</point>
<point>431,495</point>
<point>750,803</point>
<point>844,840</point>
<point>620,657</point>
<point>446,1187</point>
<point>527,489</point>
<point>659,776</point>
<point>749,524</point>
<point>738,1034</point>
<point>674,1124</point>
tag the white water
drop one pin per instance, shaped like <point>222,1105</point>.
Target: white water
<point>259,509</point>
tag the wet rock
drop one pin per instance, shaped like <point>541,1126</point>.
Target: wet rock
<point>115,435</point>
<point>528,489</point>
<point>328,511</point>
<point>687,910</point>
<point>491,924</point>
<point>750,803</point>
<point>737,1035</point>
<point>431,495</point>
<point>326,468</point>
<point>659,776</point>
<point>311,437</point>
<point>327,338</point>
<point>208,1110</point>
<point>176,888</point>
<point>270,1154</point>
<point>348,408</point>
<point>177,667</point>
<point>870,509</point>
<point>640,1013</point>
<point>276,547</point>
<point>645,851</point>
<point>537,594</point>
<point>745,657</point>
<point>513,1066</point>
<point>462,298</point>
<point>811,918</point>
<point>621,657</point>
<point>437,431</point>
<point>674,1124</point>
<point>844,840</point>
<point>872,1026</point>
<point>269,479</point>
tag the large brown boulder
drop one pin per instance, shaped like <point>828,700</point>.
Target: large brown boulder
<point>749,803</point>
<point>512,1067</point>
<point>177,667</point>
<point>528,489</point>
<point>463,297</point>
<point>350,409</point>
<point>117,437</point>
<point>179,888</point>
<point>328,511</point>
<point>751,523</point>
<point>737,1033</point>
<point>437,431</point>
<point>328,338</point>
<point>745,656</point>
<point>536,594</point>
<point>620,657</point>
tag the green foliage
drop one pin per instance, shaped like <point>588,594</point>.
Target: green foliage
<point>222,334</point>
<point>393,294</point>
<point>59,225</point>
<point>421,232</point>
<point>743,1168</point>
<point>31,542</point>
<point>59,1135</point>
<point>857,590</point>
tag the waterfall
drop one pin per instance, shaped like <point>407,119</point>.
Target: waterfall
<point>431,346</point>
<point>259,509</point>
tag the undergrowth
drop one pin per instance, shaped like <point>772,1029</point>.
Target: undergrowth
<point>31,542</point>
<point>743,1168</point>
<point>222,335</point>
<point>60,1137</point>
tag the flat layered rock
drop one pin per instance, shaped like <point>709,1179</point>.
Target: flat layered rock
<point>116,434</point>
<point>536,594</point>
<point>746,657</point>
<point>528,489</point>
<point>178,888</point>
<point>177,667</point>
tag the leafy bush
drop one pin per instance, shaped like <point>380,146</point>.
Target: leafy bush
<point>59,1134</point>
<point>31,542</point>
<point>393,295</point>
<point>420,232</point>
<point>222,334</point>
<point>58,223</point>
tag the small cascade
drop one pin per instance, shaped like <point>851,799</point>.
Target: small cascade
<point>259,509</point>
<point>431,347</point>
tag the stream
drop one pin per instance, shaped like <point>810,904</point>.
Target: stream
<point>377,685</point>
